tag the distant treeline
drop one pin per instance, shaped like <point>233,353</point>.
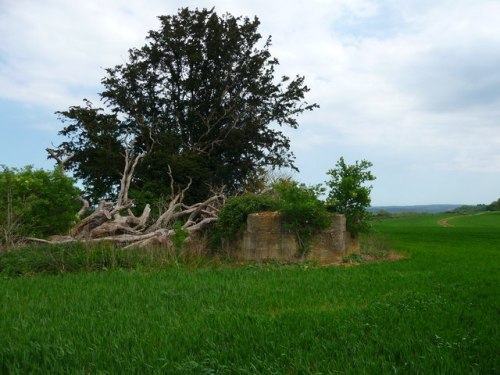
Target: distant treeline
<point>493,206</point>
<point>429,208</point>
<point>392,211</point>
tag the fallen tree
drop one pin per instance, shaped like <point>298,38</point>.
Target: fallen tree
<point>114,221</point>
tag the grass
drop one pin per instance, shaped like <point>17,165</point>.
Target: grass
<point>78,257</point>
<point>434,312</point>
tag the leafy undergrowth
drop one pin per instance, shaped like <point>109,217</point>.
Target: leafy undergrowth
<point>435,312</point>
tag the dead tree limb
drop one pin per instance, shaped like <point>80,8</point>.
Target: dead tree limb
<point>61,158</point>
<point>115,221</point>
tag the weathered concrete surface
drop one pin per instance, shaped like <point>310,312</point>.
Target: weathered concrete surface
<point>266,237</point>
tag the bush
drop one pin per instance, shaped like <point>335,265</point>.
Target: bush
<point>349,193</point>
<point>303,213</point>
<point>233,216</point>
<point>35,203</point>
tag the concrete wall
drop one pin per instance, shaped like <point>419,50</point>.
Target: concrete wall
<point>266,237</point>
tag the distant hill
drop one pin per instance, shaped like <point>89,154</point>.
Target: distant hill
<point>428,208</point>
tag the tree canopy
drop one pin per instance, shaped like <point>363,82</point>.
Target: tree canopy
<point>200,97</point>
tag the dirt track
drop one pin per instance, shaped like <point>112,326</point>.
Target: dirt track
<point>444,223</point>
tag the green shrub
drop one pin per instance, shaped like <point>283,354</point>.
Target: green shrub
<point>35,203</point>
<point>304,214</point>
<point>350,195</point>
<point>233,216</point>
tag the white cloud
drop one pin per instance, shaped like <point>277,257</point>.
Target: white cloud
<point>401,82</point>
<point>53,51</point>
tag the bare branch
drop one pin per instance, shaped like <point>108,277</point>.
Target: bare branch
<point>166,217</point>
<point>169,172</point>
<point>143,219</point>
<point>109,223</point>
<point>85,207</point>
<point>55,154</point>
<point>202,224</point>
<point>128,172</point>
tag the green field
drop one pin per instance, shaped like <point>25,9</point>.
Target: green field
<point>434,312</point>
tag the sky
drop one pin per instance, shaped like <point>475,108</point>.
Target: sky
<point>412,86</point>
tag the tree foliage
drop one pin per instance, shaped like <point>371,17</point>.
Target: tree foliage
<point>494,206</point>
<point>349,193</point>
<point>35,203</point>
<point>200,96</point>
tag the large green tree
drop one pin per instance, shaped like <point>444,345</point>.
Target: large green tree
<point>200,96</point>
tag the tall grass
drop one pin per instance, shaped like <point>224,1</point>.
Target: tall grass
<point>435,312</point>
<point>80,257</point>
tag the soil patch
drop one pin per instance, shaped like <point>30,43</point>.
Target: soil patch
<point>444,222</point>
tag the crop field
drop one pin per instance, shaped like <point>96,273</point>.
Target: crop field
<point>435,311</point>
